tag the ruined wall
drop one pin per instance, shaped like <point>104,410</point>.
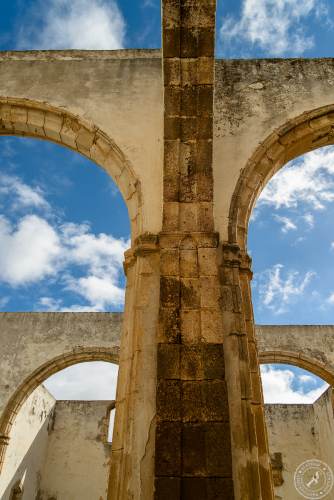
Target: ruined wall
<point>252,99</point>
<point>28,444</point>
<point>308,346</point>
<point>299,433</point>
<point>29,340</point>
<point>122,94</point>
<point>78,457</point>
<point>118,91</point>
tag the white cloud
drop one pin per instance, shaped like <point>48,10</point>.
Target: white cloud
<point>24,196</point>
<point>33,250</point>
<point>100,380</point>
<point>75,24</point>
<point>287,224</point>
<point>100,292</point>
<point>3,301</point>
<point>308,180</point>
<point>309,219</point>
<point>274,26</point>
<point>278,386</point>
<point>29,251</point>
<point>276,292</point>
<point>307,379</point>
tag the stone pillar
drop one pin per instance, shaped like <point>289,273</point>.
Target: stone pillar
<point>251,464</point>
<point>193,451</point>
<point>132,462</point>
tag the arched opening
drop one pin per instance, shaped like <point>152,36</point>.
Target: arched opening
<point>42,281</point>
<point>57,428</point>
<point>300,422</point>
<point>292,289</point>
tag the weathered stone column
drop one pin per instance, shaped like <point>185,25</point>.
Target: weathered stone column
<point>251,465</point>
<point>132,463</point>
<point>193,451</point>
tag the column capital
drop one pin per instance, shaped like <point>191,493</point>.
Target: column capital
<point>144,244</point>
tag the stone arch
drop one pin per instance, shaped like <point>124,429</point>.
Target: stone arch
<point>301,361</point>
<point>39,375</point>
<point>24,117</point>
<point>309,131</point>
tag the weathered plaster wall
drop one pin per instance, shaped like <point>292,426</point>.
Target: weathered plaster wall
<point>118,91</point>
<point>28,444</point>
<point>252,99</point>
<point>78,457</point>
<point>30,340</point>
<point>308,346</point>
<point>121,92</point>
<point>299,433</point>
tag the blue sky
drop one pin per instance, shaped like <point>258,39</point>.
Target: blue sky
<point>59,252</point>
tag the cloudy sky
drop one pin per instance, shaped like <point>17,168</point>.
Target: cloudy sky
<point>59,253</point>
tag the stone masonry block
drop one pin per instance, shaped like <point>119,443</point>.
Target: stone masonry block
<point>19,117</point>
<point>168,361</point>
<point>210,291</point>
<point>212,325</point>
<point>35,121</point>
<point>190,293</point>
<point>169,324</point>
<point>168,449</point>
<point>85,139</point>
<point>205,70</point>
<point>188,216</point>
<point>167,488</point>
<point>218,449</point>
<point>171,42</point>
<point>207,261</point>
<point>190,326</point>
<point>169,400</point>
<point>194,449</point>
<point>169,262</point>
<point>52,125</point>
<point>188,263</point>
<point>169,291</point>
<point>192,362</point>
<point>214,366</point>
<point>172,72</point>
<point>171,216</point>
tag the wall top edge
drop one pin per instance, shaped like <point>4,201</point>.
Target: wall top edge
<point>294,327</point>
<point>78,55</point>
<point>69,314</point>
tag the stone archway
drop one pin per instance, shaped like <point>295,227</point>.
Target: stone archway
<point>23,117</point>
<point>309,131</point>
<point>39,376</point>
<point>300,361</point>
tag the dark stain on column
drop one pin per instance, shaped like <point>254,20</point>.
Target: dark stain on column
<point>193,450</point>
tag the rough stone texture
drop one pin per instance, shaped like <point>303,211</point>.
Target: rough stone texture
<point>192,449</point>
<point>299,433</point>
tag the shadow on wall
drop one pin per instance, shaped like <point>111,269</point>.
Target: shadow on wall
<point>28,446</point>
